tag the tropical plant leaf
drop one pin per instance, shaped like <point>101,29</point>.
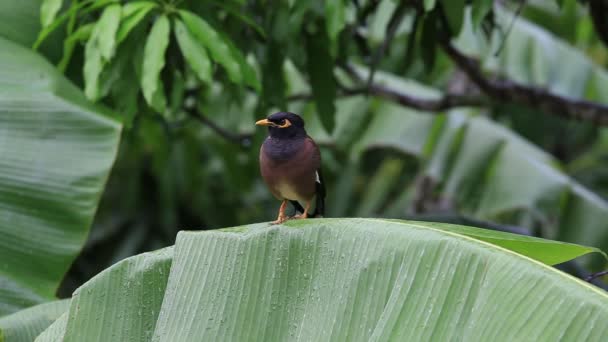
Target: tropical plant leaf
<point>546,251</point>
<point>132,14</point>
<point>154,61</point>
<point>429,4</point>
<point>93,65</point>
<point>106,29</point>
<point>20,23</point>
<point>273,81</point>
<point>49,10</point>
<point>335,13</point>
<point>25,325</point>
<point>218,48</point>
<point>56,331</point>
<point>480,9</point>
<point>55,160</point>
<point>472,161</point>
<point>133,289</point>
<point>241,15</point>
<point>86,7</point>
<point>454,12</point>
<point>194,53</point>
<point>141,281</point>
<point>250,77</point>
<point>320,67</point>
<point>338,279</point>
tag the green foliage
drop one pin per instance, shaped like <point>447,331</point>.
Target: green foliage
<point>194,53</point>
<point>344,279</point>
<point>189,79</point>
<point>49,10</point>
<point>320,68</point>
<point>154,61</point>
<point>57,153</point>
<point>27,324</point>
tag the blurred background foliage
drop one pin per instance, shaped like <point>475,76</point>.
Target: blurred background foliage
<point>405,131</point>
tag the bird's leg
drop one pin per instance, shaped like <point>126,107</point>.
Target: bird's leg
<point>282,217</point>
<point>305,213</point>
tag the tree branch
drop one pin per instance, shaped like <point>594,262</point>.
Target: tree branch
<point>448,101</point>
<point>541,99</point>
<point>596,275</point>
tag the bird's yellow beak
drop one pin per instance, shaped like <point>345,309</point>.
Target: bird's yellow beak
<point>263,122</point>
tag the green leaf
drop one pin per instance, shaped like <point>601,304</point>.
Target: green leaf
<point>335,14</point>
<point>93,65</point>
<point>546,251</point>
<point>100,48</point>
<point>132,14</point>
<point>240,13</point>
<point>83,33</point>
<point>106,29</point>
<point>90,7</point>
<point>454,12</point>
<point>363,280</point>
<point>337,279</point>
<point>56,154</point>
<point>218,48</point>
<point>123,301</point>
<point>250,77</point>
<point>56,331</point>
<point>381,183</point>
<point>320,67</point>
<point>429,4</point>
<point>273,80</point>
<point>481,8</point>
<point>154,61</point>
<point>49,10</point>
<point>193,53</point>
<point>25,325</point>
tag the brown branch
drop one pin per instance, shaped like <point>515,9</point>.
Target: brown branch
<point>534,97</point>
<point>596,275</point>
<point>447,101</point>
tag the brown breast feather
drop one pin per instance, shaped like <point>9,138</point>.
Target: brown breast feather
<point>293,177</point>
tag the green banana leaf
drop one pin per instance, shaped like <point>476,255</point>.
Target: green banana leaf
<point>20,23</point>
<point>339,280</point>
<point>28,323</point>
<point>57,150</point>
<point>472,160</point>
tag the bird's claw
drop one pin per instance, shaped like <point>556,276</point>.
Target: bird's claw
<point>300,216</point>
<point>280,220</point>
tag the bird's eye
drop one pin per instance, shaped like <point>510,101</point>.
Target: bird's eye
<point>282,122</point>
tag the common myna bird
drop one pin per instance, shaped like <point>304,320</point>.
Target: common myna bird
<point>290,163</point>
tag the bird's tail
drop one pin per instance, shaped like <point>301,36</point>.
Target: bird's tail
<point>320,198</point>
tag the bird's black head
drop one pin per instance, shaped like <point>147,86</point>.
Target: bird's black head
<point>284,125</point>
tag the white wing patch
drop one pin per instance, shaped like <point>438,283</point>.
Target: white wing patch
<point>318,178</point>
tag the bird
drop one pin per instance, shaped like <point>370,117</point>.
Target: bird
<point>290,164</point>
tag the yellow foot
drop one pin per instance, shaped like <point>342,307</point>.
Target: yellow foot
<point>301,216</point>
